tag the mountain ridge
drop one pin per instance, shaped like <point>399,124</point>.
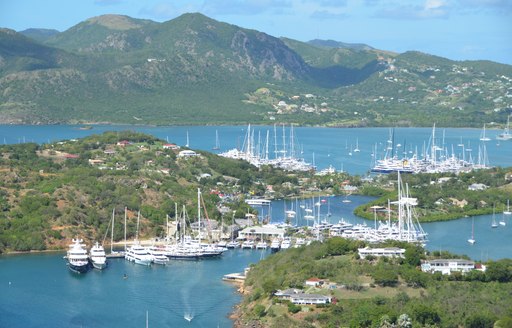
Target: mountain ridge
<point>194,69</point>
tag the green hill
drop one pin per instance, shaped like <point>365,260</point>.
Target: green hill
<point>195,70</point>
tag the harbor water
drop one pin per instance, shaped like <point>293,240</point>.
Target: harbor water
<point>37,290</point>
<point>321,146</point>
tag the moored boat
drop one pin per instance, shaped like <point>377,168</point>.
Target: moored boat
<point>138,254</point>
<point>77,257</point>
<point>98,257</point>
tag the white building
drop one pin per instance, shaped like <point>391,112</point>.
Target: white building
<point>309,299</point>
<point>378,252</point>
<point>297,296</point>
<point>187,153</point>
<point>447,266</point>
<point>264,232</point>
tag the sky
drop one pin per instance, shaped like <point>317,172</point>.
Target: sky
<point>454,29</point>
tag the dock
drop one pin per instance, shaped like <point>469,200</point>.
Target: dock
<point>237,277</point>
<point>115,255</point>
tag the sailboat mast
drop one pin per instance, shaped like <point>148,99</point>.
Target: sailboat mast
<point>266,146</point>
<point>275,141</point>
<point>199,211</point>
<point>137,232</point>
<point>284,141</point>
<point>112,233</point>
<point>125,228</point>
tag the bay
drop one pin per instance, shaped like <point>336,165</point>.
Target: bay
<point>322,146</point>
<point>37,290</point>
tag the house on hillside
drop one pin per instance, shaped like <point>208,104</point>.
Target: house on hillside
<point>447,266</point>
<point>187,153</point>
<point>315,282</point>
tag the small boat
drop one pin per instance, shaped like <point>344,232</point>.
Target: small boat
<point>98,257</point>
<point>502,222</point>
<point>357,150</point>
<point>472,239</point>
<point>78,260</point>
<point>494,224</point>
<point>508,211</point>
<point>483,136</point>
<point>506,135</point>
<point>275,245</point>
<point>233,244</point>
<point>261,245</point>
<point>222,243</point>
<point>286,243</point>
<point>217,143</point>
<point>248,244</point>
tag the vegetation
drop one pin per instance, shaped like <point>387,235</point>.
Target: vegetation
<point>382,292</point>
<point>52,193</point>
<point>195,70</point>
<point>444,197</point>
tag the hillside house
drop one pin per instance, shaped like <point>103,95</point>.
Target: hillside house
<point>447,266</point>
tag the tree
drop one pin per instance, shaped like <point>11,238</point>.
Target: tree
<point>425,314</point>
<point>413,255</point>
<point>480,320</point>
<point>259,310</point>
<point>385,275</point>
<point>500,270</point>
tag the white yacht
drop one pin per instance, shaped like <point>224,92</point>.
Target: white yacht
<point>97,257</point>
<point>299,242</point>
<point>248,244</point>
<point>262,245</point>
<point>138,254</point>
<point>275,245</point>
<point>286,243</point>
<point>159,255</point>
<point>233,244</point>
<point>77,257</point>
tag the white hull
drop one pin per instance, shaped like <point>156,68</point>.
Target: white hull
<point>99,265</point>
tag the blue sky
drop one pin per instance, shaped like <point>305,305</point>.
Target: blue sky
<point>455,29</point>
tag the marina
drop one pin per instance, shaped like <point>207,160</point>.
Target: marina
<point>142,289</point>
<point>322,147</point>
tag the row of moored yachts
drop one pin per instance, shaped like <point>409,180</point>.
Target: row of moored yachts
<point>79,260</point>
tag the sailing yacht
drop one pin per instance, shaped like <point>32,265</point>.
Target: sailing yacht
<point>357,150</point>
<point>472,239</point>
<point>217,142</point>
<point>507,211</point>
<point>483,137</point>
<point>502,221</point>
<point>494,224</point>
<point>505,135</point>
<point>98,257</point>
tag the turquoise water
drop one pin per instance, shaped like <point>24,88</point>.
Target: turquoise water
<point>323,146</point>
<point>39,291</point>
